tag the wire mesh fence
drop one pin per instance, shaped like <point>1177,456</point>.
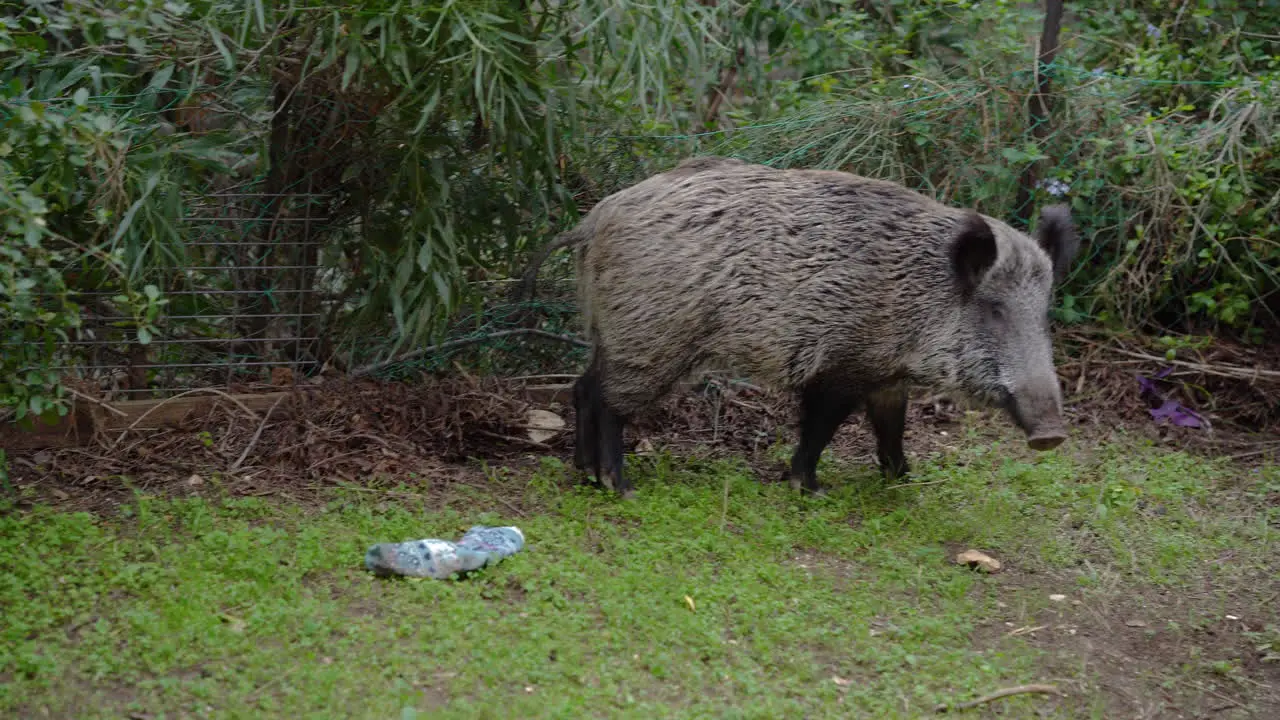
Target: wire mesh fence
<point>237,306</point>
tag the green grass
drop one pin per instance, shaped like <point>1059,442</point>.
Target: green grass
<point>242,607</point>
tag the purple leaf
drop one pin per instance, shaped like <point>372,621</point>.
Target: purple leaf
<point>1146,386</point>
<point>1177,414</point>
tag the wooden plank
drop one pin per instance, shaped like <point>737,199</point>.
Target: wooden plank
<point>77,427</point>
<point>154,414</point>
<point>548,394</point>
<point>71,430</point>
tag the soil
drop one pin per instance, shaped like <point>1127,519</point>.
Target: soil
<point>1151,655</point>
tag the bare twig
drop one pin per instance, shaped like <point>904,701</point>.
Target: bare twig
<point>256,435</point>
<point>724,506</point>
<point>718,93</point>
<point>168,400</point>
<point>1259,449</point>
<point>918,484</point>
<point>514,439</point>
<point>490,492</point>
<point>1040,106</point>
<point>1221,370</point>
<point>1177,19</point>
<point>462,342</point>
<point>714,380</point>
<point>549,376</point>
<point>95,401</point>
<point>325,461</point>
<point>1216,694</point>
<point>1006,692</point>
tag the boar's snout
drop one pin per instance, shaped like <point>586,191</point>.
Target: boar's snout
<point>1039,413</point>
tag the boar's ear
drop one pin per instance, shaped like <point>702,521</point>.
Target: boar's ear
<point>973,251</point>
<point>1057,235</point>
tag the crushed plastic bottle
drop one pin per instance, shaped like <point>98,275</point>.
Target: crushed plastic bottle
<point>439,559</point>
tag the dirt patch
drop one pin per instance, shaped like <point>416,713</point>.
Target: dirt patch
<point>81,697</point>
<point>1153,654</point>
<point>842,572</point>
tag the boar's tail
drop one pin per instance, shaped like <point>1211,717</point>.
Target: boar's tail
<point>523,291</point>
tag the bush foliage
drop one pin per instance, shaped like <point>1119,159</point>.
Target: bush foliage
<point>439,142</point>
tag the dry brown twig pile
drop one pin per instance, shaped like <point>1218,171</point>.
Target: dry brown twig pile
<point>1235,387</point>
<point>356,431</point>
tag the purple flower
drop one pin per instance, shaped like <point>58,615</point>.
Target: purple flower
<point>1054,187</point>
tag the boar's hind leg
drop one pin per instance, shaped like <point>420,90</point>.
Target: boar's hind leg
<point>887,411</point>
<point>603,422</point>
<point>609,434</point>
<point>823,407</point>
<point>586,403</point>
<point>598,431</point>
<point>627,381</point>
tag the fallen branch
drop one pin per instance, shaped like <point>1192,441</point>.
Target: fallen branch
<point>463,342</point>
<point>1236,372</point>
<point>1231,371</point>
<point>1006,692</point>
<point>254,440</point>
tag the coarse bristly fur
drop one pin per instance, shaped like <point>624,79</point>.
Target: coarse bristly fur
<point>838,287</point>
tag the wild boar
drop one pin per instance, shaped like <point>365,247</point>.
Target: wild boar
<point>839,288</point>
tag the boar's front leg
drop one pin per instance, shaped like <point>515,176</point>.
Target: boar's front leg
<point>887,411</point>
<point>823,407</point>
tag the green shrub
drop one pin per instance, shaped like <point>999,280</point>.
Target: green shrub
<point>441,142</point>
<point>1163,137</point>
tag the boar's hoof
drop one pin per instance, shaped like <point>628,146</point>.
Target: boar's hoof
<point>1045,441</point>
<point>797,484</point>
